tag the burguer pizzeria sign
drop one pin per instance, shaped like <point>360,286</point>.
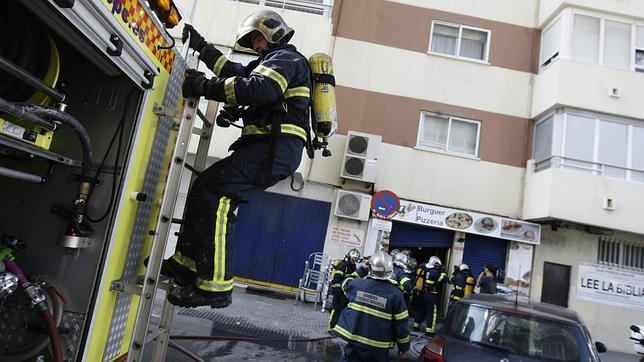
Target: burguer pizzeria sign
<point>469,222</point>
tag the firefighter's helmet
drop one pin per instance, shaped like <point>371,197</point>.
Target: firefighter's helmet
<point>401,259</point>
<point>269,23</point>
<point>412,264</point>
<point>381,265</point>
<point>434,262</point>
<point>353,255</point>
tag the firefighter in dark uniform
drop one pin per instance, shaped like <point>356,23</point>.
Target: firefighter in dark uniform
<point>345,269</point>
<point>401,275</point>
<point>376,317</point>
<point>461,280</point>
<point>428,309</point>
<point>272,98</point>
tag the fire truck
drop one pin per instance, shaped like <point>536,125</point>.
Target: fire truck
<point>93,138</point>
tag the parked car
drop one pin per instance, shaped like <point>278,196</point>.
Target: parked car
<point>497,328</point>
<point>503,289</point>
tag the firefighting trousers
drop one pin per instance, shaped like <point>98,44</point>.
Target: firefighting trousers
<point>427,310</point>
<point>357,354</point>
<point>337,306</point>
<point>205,245</point>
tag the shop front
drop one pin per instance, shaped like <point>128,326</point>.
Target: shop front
<point>460,236</point>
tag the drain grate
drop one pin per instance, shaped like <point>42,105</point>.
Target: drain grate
<point>239,325</point>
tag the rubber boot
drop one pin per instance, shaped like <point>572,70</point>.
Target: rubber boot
<point>191,296</point>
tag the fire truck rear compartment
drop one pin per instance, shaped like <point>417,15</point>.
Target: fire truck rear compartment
<point>107,104</point>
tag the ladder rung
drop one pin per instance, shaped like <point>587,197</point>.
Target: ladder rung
<point>154,334</point>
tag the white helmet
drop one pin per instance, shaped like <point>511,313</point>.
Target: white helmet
<point>434,262</point>
<point>412,264</point>
<point>353,255</point>
<point>381,265</point>
<point>394,252</point>
<point>464,267</point>
<point>401,259</point>
<point>269,23</point>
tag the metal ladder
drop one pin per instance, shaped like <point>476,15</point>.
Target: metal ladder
<point>147,285</point>
<point>141,335</point>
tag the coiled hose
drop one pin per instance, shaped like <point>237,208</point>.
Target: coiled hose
<point>52,328</point>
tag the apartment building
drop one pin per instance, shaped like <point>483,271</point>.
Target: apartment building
<point>510,131</point>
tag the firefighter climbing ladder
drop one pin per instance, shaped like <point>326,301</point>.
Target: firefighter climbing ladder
<point>146,286</point>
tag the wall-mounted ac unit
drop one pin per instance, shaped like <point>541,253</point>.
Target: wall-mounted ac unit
<point>352,205</point>
<point>360,159</point>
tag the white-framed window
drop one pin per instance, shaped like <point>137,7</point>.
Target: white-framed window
<point>320,7</point>
<point>589,37</point>
<point>620,253</point>
<point>590,142</point>
<point>550,43</point>
<point>460,41</point>
<point>639,49</point>
<point>448,134</point>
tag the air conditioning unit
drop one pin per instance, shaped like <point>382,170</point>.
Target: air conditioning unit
<point>360,159</point>
<point>352,205</point>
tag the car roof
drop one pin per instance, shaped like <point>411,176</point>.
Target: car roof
<point>524,307</point>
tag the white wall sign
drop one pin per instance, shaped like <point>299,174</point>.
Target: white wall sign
<point>469,222</point>
<point>347,236</point>
<point>610,285</point>
<point>379,224</point>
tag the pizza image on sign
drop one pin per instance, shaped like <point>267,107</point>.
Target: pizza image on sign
<point>459,220</point>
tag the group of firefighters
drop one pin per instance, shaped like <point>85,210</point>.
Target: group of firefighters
<point>373,298</point>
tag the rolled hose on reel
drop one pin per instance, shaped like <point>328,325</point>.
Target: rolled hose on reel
<point>35,343</point>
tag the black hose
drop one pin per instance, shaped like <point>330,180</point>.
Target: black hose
<point>28,78</point>
<point>19,111</point>
<point>67,119</point>
<point>247,339</point>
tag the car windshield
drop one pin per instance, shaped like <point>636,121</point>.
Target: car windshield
<point>517,334</point>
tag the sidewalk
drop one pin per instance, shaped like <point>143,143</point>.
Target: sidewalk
<point>618,357</point>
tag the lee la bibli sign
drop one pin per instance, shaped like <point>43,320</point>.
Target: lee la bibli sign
<point>469,222</point>
<point>610,285</point>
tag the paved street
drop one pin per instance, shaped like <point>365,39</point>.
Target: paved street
<point>276,322</point>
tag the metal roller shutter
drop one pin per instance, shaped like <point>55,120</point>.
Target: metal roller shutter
<point>412,235</point>
<point>274,236</point>
<point>481,250</point>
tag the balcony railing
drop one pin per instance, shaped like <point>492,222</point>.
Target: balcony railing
<point>594,168</point>
<point>319,7</point>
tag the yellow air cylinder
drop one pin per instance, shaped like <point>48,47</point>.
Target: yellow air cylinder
<point>323,93</point>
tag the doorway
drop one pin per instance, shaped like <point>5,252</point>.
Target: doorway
<point>556,284</point>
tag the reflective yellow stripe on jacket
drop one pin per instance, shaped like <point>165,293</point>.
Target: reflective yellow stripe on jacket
<point>229,90</point>
<point>219,65</point>
<point>297,92</point>
<point>286,128</point>
<point>272,74</point>
<point>361,339</point>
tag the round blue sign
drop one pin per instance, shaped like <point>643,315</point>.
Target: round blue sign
<point>385,204</point>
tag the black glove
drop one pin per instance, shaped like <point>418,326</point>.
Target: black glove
<point>193,84</point>
<point>197,42</point>
<point>228,116</point>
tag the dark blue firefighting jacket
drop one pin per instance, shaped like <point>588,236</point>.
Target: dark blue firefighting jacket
<point>403,279</point>
<point>341,271</point>
<point>434,277</point>
<point>376,316</point>
<point>279,80</point>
